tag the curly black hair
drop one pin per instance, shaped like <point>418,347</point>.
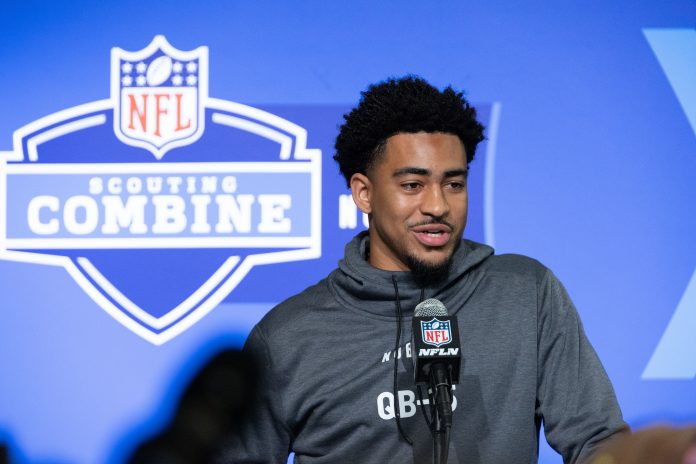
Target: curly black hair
<point>402,105</point>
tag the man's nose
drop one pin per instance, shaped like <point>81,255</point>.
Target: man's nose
<point>434,202</point>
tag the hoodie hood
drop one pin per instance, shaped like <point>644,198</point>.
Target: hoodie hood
<point>364,288</point>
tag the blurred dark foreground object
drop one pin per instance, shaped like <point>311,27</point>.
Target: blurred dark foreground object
<point>4,454</point>
<point>212,405</point>
<point>654,445</point>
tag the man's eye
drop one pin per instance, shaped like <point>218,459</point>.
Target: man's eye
<point>410,186</point>
<point>456,185</point>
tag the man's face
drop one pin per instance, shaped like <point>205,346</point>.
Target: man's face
<point>416,198</point>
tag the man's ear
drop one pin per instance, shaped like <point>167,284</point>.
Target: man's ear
<point>361,188</point>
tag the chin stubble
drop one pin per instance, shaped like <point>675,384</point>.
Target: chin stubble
<point>427,274</point>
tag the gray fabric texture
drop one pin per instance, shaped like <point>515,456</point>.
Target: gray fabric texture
<point>326,357</point>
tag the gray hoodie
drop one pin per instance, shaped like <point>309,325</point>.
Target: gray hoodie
<point>326,358</point>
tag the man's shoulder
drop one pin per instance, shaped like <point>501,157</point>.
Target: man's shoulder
<point>511,263</point>
<point>297,307</point>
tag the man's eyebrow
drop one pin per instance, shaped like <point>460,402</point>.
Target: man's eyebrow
<point>426,172</point>
<point>456,172</point>
<point>411,171</point>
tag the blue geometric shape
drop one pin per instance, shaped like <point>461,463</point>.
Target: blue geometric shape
<point>675,49</point>
<point>675,355</point>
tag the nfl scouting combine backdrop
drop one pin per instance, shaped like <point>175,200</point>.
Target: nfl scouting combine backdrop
<point>164,180</point>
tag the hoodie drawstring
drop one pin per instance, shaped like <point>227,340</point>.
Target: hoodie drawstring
<point>397,404</point>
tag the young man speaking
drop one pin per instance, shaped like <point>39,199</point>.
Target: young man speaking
<point>337,380</point>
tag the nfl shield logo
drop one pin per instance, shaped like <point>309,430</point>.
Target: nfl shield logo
<point>157,94</point>
<point>435,332</point>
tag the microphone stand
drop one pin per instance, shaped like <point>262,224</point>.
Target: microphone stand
<point>441,409</point>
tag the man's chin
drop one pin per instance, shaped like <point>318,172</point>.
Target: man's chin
<point>428,273</point>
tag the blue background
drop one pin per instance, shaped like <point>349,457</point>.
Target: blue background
<point>594,176</point>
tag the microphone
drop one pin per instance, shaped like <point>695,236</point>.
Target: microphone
<point>436,362</point>
<point>435,342</point>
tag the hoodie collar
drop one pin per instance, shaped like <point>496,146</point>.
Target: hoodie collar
<point>362,287</point>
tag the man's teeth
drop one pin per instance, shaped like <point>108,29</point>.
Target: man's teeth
<point>434,233</point>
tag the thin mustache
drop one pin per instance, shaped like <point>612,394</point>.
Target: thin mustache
<point>427,223</point>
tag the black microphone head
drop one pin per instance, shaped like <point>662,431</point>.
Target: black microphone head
<point>430,307</point>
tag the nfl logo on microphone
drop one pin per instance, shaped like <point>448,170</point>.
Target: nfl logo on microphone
<point>435,332</point>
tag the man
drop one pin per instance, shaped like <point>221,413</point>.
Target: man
<point>329,392</point>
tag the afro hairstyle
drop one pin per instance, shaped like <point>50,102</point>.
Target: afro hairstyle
<point>402,105</point>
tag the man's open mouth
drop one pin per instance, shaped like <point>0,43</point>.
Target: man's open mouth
<point>433,235</point>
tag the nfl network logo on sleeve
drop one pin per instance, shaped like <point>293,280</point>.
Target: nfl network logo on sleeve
<point>435,332</point>
<point>159,200</point>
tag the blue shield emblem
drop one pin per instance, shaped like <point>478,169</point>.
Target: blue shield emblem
<point>155,241</point>
<point>435,332</point>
